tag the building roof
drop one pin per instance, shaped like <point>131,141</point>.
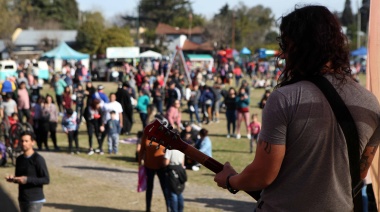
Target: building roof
<point>34,37</point>
<point>191,46</point>
<point>164,29</point>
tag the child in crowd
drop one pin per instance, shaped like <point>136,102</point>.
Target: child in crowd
<point>79,102</point>
<point>70,127</point>
<point>113,130</point>
<point>255,127</point>
<point>13,119</point>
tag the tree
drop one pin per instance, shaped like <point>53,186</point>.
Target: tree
<point>364,12</point>
<point>35,13</point>
<point>347,17</point>
<point>90,32</point>
<point>9,19</point>
<point>252,24</point>
<point>166,11</point>
<point>114,37</point>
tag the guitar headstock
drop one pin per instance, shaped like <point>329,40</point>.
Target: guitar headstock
<point>164,135</point>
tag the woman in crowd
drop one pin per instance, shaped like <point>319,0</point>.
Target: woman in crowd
<point>89,92</point>
<point>157,96</point>
<point>193,103</point>
<point>230,102</point>
<point>51,120</point>
<point>242,104</point>
<point>142,106</point>
<point>23,103</point>
<point>67,100</point>
<point>93,115</point>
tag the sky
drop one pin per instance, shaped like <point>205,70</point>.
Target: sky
<point>208,8</point>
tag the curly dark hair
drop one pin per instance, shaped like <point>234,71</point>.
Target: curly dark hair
<point>313,43</point>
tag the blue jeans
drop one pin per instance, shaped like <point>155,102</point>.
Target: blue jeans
<point>113,142</point>
<point>231,120</point>
<point>196,111</point>
<point>176,202</point>
<point>150,184</point>
<point>158,105</point>
<point>143,118</point>
<point>30,206</point>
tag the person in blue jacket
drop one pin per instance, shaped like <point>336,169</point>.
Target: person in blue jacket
<point>203,144</point>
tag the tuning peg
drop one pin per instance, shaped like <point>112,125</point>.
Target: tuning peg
<point>164,123</point>
<point>150,143</point>
<point>170,127</point>
<point>158,146</point>
<point>153,139</point>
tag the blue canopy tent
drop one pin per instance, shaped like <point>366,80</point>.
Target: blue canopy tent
<point>65,52</point>
<point>362,51</point>
<point>245,50</point>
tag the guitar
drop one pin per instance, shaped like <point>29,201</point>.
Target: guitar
<point>165,136</point>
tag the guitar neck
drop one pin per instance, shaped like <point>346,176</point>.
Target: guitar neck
<point>211,164</point>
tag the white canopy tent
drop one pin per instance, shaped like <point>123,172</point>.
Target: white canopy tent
<point>150,54</point>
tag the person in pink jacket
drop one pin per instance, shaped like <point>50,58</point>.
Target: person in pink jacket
<point>174,115</point>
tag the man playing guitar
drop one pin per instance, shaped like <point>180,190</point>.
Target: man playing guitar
<point>301,161</point>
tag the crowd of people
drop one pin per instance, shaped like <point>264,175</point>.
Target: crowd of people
<point>289,121</point>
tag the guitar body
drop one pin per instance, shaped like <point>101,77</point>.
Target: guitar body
<point>159,133</point>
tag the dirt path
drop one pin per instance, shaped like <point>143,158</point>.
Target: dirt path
<point>78,184</point>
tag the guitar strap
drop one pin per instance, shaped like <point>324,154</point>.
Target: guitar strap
<point>349,129</point>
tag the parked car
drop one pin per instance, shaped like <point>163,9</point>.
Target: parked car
<point>7,68</point>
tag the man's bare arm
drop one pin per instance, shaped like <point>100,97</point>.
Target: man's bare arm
<point>263,170</point>
<point>366,160</point>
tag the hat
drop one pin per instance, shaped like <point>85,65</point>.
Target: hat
<point>100,87</point>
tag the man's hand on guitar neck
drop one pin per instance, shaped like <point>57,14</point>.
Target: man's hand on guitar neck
<point>257,175</point>
<point>221,177</point>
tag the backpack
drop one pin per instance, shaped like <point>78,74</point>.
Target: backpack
<point>177,177</point>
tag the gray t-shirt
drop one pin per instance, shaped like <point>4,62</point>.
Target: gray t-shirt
<point>314,175</point>
<point>176,157</point>
<point>8,107</point>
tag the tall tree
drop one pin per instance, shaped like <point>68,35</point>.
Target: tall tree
<point>164,11</point>
<point>251,26</point>
<point>364,12</point>
<point>9,18</point>
<point>36,13</point>
<point>347,16</point>
<point>90,32</point>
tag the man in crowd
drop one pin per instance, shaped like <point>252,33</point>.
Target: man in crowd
<point>31,174</point>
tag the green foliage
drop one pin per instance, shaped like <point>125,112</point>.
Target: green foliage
<point>89,36</point>
<point>9,19</point>
<point>347,17</point>
<point>172,12</point>
<point>252,26</point>
<point>186,22</point>
<point>35,13</point>
<point>114,37</point>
